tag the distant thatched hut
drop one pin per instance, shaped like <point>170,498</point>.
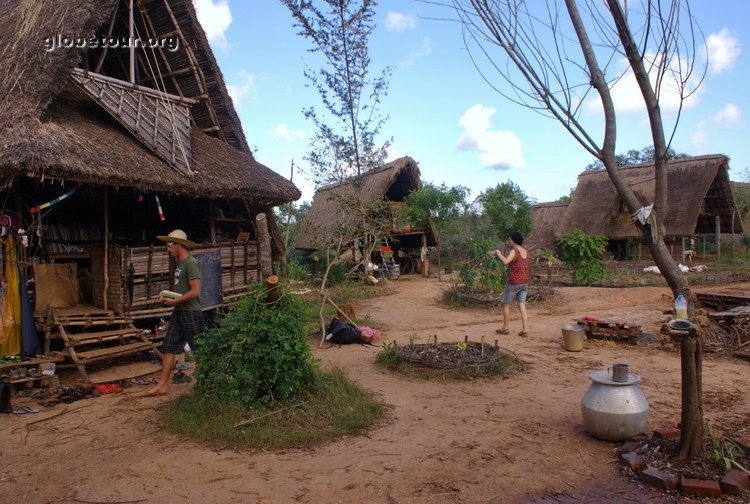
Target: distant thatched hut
<point>392,182</point>
<point>700,201</point>
<point>546,218</point>
<point>144,141</point>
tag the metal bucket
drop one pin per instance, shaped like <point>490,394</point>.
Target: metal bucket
<point>573,337</point>
<point>393,271</point>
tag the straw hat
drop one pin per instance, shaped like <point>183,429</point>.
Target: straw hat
<point>177,236</point>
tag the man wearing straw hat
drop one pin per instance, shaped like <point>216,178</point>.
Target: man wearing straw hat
<point>187,318</point>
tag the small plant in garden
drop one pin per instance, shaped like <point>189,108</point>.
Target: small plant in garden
<point>257,356</point>
<point>482,270</point>
<point>584,254</point>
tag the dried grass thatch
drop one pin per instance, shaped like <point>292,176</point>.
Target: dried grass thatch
<point>48,130</point>
<point>546,218</point>
<point>393,182</point>
<point>698,190</point>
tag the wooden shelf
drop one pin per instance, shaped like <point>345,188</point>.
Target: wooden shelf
<point>72,255</point>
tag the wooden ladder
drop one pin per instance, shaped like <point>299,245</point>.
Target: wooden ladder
<point>98,327</point>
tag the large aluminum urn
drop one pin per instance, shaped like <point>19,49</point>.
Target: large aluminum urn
<point>614,410</point>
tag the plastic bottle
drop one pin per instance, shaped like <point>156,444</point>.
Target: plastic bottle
<point>680,307</point>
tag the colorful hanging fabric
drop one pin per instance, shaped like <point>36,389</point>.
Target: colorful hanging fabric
<point>12,302</point>
<point>158,205</point>
<point>54,201</point>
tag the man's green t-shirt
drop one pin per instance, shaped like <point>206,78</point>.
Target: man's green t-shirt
<point>187,270</point>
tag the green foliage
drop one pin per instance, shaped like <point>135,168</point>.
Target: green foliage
<point>482,270</point>
<point>257,356</point>
<point>440,204</point>
<point>585,256</point>
<point>289,218</point>
<point>506,209</point>
<point>634,157</point>
<point>344,143</point>
<point>296,270</point>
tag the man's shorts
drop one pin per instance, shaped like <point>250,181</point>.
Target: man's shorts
<point>515,291</point>
<point>183,328</point>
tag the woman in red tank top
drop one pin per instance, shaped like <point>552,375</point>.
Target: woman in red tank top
<point>519,265</point>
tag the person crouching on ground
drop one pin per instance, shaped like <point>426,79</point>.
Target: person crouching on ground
<point>187,318</point>
<point>518,281</point>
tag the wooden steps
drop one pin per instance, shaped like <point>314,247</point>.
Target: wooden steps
<point>91,334</point>
<point>102,336</point>
<point>115,351</point>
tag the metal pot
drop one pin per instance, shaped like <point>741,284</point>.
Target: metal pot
<point>612,410</point>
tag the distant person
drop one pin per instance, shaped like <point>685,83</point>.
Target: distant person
<point>187,318</point>
<point>518,281</point>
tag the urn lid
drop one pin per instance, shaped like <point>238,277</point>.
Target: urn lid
<point>605,378</point>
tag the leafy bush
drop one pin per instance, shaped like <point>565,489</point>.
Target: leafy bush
<point>482,270</point>
<point>584,254</point>
<point>296,269</point>
<point>258,355</point>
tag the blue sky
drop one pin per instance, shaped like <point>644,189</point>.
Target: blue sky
<point>445,116</point>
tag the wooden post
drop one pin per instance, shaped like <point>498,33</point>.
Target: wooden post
<point>106,248</point>
<point>272,286</point>
<point>264,242</point>
<point>131,30</point>
<point>426,262</point>
<point>718,236</point>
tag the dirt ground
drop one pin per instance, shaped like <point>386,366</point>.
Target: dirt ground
<point>487,441</point>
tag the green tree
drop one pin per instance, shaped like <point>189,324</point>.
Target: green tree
<point>345,141</point>
<point>634,157</point>
<point>506,208</point>
<point>289,218</point>
<point>441,205</point>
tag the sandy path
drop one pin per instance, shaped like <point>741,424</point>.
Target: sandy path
<point>494,441</point>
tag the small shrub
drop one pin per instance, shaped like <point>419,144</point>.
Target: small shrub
<point>296,270</point>
<point>258,355</point>
<point>584,254</point>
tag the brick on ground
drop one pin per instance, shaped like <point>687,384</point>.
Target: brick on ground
<point>659,479</point>
<point>632,460</point>
<point>734,482</point>
<point>700,488</point>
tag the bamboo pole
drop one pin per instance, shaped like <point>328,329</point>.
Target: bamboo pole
<point>106,248</point>
<point>337,308</point>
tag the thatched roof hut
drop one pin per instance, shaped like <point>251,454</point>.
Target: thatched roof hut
<point>546,218</point>
<point>392,182</point>
<point>699,191</point>
<point>52,127</point>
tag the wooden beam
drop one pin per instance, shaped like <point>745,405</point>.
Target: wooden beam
<point>103,54</point>
<point>170,73</point>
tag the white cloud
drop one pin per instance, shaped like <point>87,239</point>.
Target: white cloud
<point>424,49</point>
<point>398,21</point>
<point>245,87</point>
<point>723,50</point>
<point>728,116</point>
<point>215,17</point>
<point>627,96</point>
<point>499,149</point>
<point>283,132</point>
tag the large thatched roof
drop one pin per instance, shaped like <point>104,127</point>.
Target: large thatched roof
<point>393,181</point>
<point>48,129</point>
<point>698,191</point>
<point>546,218</point>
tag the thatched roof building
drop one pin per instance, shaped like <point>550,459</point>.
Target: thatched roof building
<point>392,182</point>
<point>54,126</point>
<point>546,218</point>
<point>699,191</point>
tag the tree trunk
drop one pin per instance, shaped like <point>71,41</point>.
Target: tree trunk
<point>692,437</point>
<point>272,286</point>
<point>264,242</point>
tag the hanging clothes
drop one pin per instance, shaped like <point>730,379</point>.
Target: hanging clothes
<point>12,301</point>
<point>30,343</point>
